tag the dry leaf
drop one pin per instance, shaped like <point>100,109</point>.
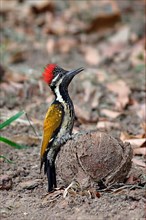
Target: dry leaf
<point>53,197</point>
<point>111,49</point>
<point>135,143</point>
<point>17,86</point>
<point>143,125</point>
<point>64,44</point>
<point>95,100</point>
<point>58,27</point>
<point>6,6</point>
<point>139,151</point>
<point>26,139</point>
<point>138,162</point>
<point>17,57</point>
<point>102,23</point>
<point>82,114</point>
<point>121,36</point>
<point>132,180</point>
<point>42,6</point>
<point>8,88</point>
<point>91,55</point>
<point>50,46</point>
<point>109,113</point>
<point>107,124</point>
<point>101,75</point>
<point>137,53</point>
<point>89,89</point>
<point>141,111</point>
<point>125,136</point>
<point>15,77</point>
<point>120,88</point>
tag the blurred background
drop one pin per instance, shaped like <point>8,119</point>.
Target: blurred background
<point>105,37</point>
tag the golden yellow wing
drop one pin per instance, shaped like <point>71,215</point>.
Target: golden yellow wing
<point>52,122</point>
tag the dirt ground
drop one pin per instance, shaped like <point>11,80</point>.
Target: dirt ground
<point>108,96</point>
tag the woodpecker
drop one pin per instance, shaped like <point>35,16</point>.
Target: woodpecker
<point>59,120</point>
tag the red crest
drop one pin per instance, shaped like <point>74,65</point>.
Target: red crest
<point>48,73</point>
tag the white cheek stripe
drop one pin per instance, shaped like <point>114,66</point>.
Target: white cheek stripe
<point>59,97</point>
<point>57,91</point>
<point>55,79</point>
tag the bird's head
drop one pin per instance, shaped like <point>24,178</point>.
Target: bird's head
<point>54,75</point>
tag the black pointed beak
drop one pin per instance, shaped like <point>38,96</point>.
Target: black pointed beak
<point>70,75</point>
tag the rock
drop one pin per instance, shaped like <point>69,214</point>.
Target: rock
<point>92,157</point>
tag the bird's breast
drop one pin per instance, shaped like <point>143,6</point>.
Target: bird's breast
<point>67,123</point>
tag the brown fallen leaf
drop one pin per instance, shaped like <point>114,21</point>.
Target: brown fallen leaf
<point>26,139</point>
<point>17,86</point>
<point>141,111</point>
<point>50,46</point>
<point>109,113</point>
<point>17,57</point>
<point>121,37</point>
<point>107,124</point>
<point>138,162</point>
<point>90,193</point>
<point>6,6</point>
<point>82,114</point>
<point>143,125</point>
<point>89,90</point>
<point>91,54</point>
<point>125,136</point>
<point>42,6</point>
<point>53,198</point>
<point>8,88</point>
<point>58,27</point>
<point>14,77</point>
<point>120,88</point>
<point>135,143</point>
<point>101,75</point>
<point>66,44</point>
<point>104,21</point>
<point>139,151</point>
<point>132,179</point>
<point>136,55</point>
<point>110,50</point>
<point>95,100</point>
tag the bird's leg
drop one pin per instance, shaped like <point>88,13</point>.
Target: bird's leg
<point>51,157</point>
<point>54,175</point>
<point>51,170</point>
<point>49,176</point>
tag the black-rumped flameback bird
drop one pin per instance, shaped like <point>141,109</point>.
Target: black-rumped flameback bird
<point>59,120</point>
